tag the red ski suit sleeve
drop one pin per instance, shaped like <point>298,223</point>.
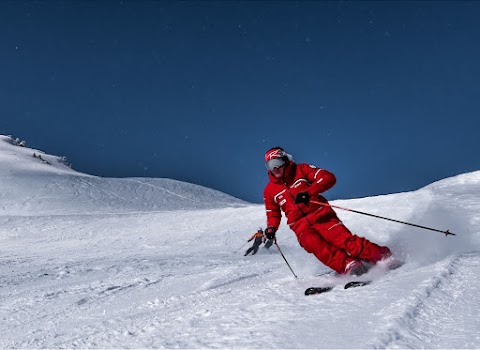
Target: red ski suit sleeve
<point>321,180</point>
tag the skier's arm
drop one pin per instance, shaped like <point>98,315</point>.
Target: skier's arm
<point>321,180</point>
<point>272,209</point>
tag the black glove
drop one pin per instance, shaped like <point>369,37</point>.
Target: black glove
<point>302,197</point>
<point>270,232</point>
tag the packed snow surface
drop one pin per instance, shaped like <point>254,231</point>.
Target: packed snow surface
<point>89,262</point>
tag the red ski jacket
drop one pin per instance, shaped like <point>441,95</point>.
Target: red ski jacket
<point>279,195</point>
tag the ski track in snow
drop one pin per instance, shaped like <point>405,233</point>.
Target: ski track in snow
<point>430,315</point>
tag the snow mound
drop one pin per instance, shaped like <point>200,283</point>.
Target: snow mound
<point>448,204</point>
<point>35,182</point>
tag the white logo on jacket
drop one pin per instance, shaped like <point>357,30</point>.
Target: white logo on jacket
<point>279,198</point>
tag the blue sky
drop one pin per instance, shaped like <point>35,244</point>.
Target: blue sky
<point>383,94</point>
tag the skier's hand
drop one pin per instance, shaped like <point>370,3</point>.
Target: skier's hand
<point>302,197</point>
<point>270,232</point>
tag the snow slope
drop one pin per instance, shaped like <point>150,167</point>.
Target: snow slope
<point>140,263</point>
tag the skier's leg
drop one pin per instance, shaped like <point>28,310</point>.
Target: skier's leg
<point>336,233</point>
<point>248,251</point>
<point>312,242</point>
<point>256,245</point>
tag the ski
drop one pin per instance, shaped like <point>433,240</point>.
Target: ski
<point>320,290</point>
<point>388,265</point>
<point>317,290</point>
<point>355,284</point>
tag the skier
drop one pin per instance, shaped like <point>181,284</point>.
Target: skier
<point>318,229</point>
<point>259,239</point>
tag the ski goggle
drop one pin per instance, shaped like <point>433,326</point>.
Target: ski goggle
<point>274,163</point>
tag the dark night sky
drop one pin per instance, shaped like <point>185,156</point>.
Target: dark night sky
<point>383,94</point>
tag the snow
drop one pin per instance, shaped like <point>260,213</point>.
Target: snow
<point>89,262</point>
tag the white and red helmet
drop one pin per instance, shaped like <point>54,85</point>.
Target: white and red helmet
<point>276,157</point>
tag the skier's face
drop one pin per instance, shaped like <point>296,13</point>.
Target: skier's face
<point>279,171</point>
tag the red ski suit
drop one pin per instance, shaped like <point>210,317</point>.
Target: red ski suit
<point>317,227</point>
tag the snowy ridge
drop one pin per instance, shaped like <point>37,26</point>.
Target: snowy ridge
<point>35,182</point>
<point>84,262</point>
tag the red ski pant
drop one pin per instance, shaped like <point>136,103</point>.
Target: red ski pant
<point>334,245</point>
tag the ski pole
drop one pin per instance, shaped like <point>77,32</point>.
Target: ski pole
<point>283,256</point>
<point>241,247</point>
<point>446,233</point>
